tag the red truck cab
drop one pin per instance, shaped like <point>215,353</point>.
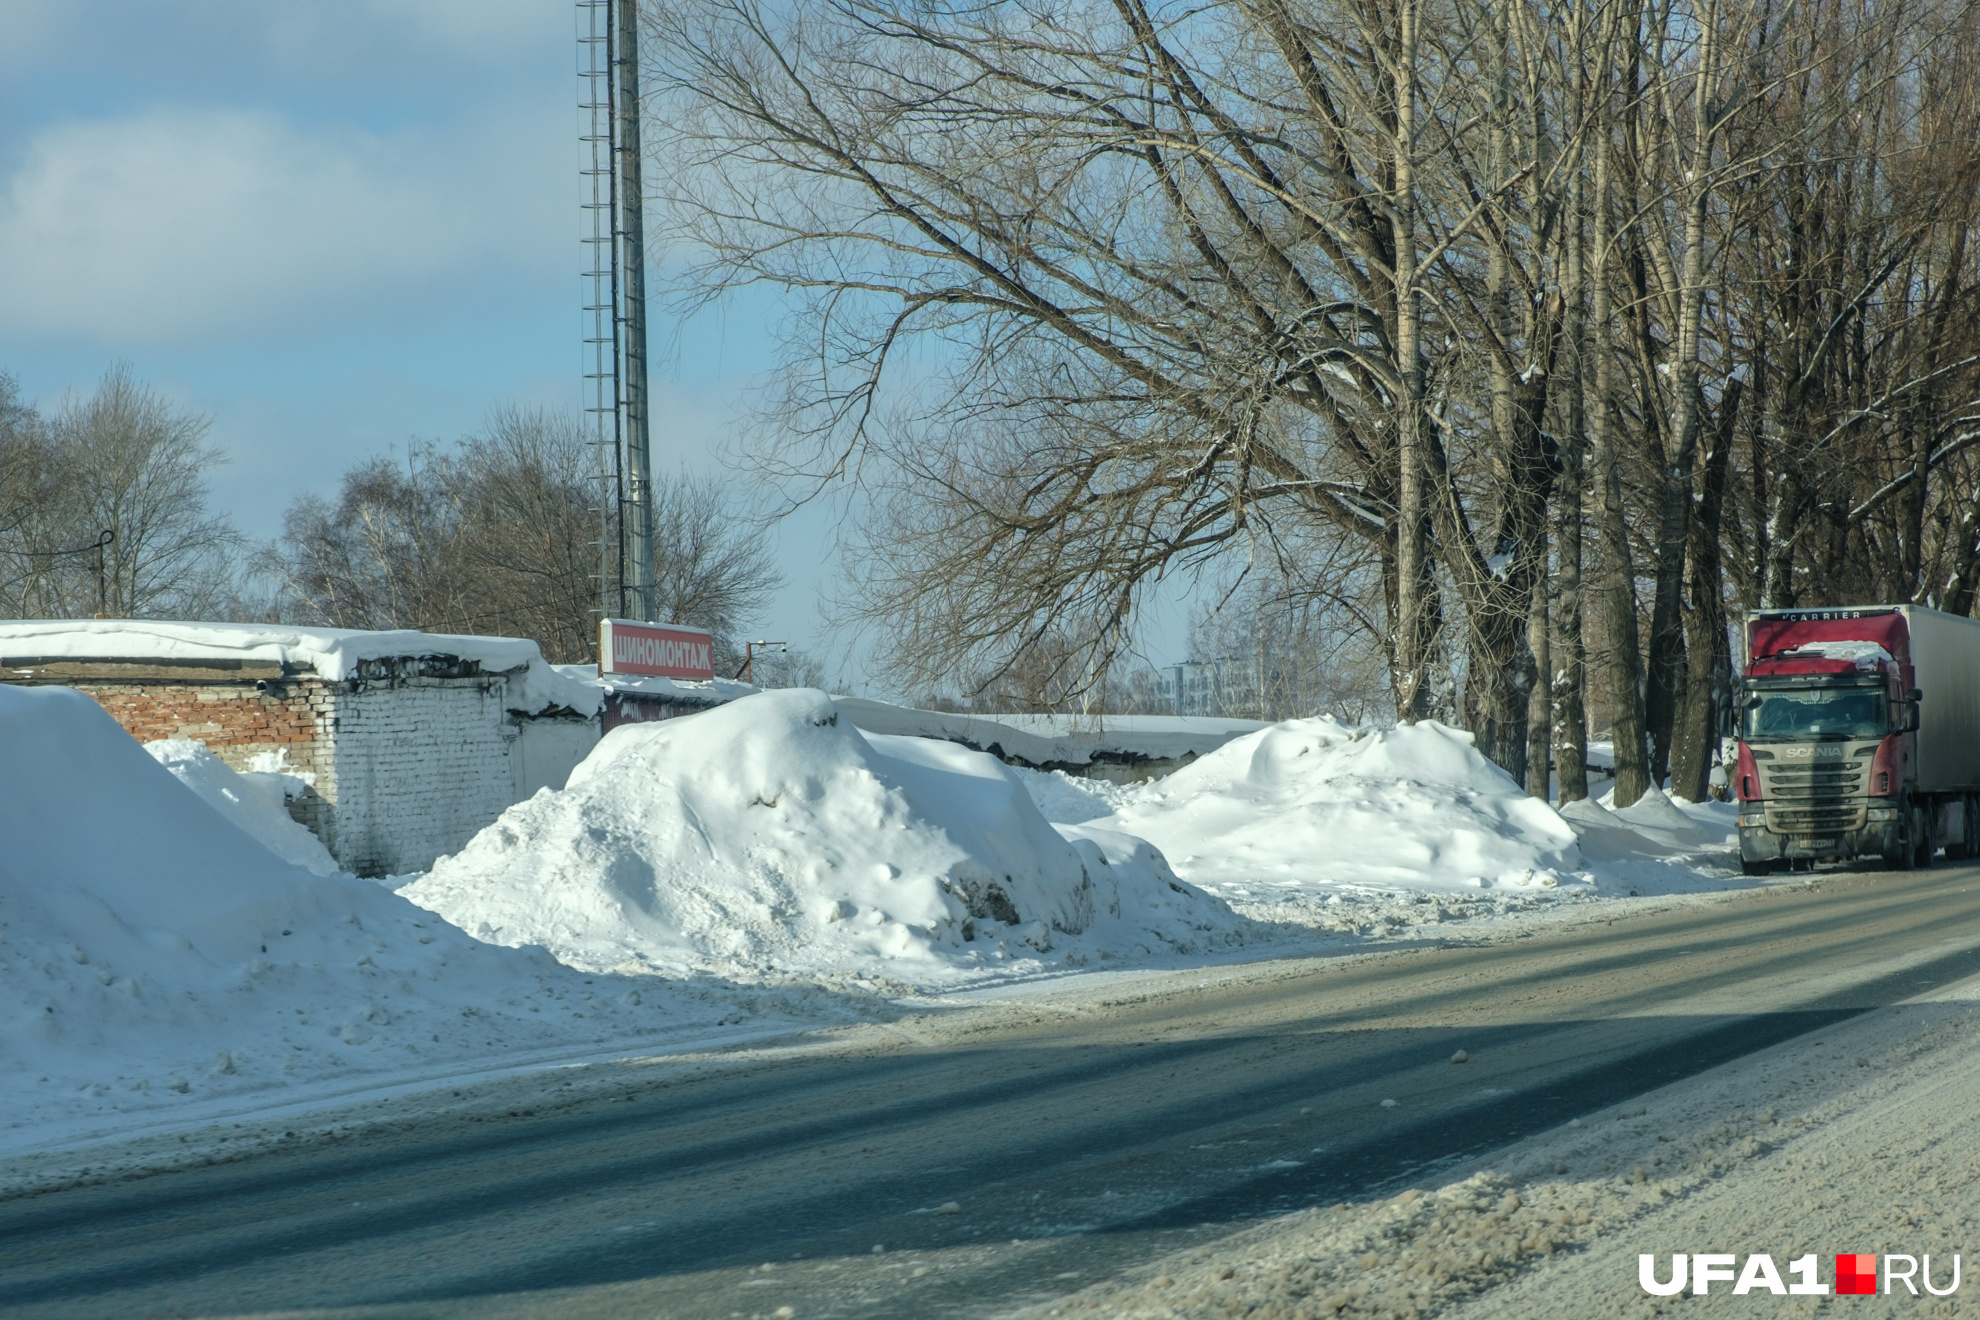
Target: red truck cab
<point>1829,726</point>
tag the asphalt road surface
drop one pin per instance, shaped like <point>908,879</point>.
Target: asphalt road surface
<point>964,1164</point>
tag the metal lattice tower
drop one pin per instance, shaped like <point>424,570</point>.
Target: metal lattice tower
<point>615,303</point>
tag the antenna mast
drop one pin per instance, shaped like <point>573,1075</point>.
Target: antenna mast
<point>615,305</point>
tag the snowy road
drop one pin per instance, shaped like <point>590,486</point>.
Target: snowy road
<point>1002,1152</point>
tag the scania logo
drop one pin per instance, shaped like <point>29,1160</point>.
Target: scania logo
<point>1817,750</point>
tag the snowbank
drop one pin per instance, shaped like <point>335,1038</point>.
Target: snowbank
<point>256,802</point>
<point>153,953</point>
<point>1314,805</point>
<point>1380,831</point>
<point>771,835</point>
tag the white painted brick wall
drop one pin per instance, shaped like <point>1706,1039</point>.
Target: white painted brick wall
<point>420,768</point>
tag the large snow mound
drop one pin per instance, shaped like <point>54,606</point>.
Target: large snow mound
<point>771,835</point>
<point>153,953</point>
<point>256,802</point>
<point>1315,806</point>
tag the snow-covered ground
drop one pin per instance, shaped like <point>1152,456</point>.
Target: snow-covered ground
<point>170,941</point>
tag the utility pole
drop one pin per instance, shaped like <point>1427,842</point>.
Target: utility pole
<point>637,516</point>
<point>615,309</point>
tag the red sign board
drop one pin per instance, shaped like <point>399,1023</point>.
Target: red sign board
<point>655,650</point>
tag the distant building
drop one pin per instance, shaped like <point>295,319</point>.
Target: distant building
<point>1193,688</point>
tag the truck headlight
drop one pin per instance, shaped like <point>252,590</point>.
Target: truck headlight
<point>1757,818</point>
<point>1879,815</point>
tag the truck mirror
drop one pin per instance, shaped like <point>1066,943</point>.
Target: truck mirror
<point>1911,720</point>
<point>1915,696</point>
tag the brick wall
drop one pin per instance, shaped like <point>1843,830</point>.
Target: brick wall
<point>421,766</point>
<point>407,768</point>
<point>235,721</point>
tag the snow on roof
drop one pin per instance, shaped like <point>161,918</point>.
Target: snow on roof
<point>1054,739</point>
<point>1864,655</point>
<point>684,691</point>
<point>332,653</point>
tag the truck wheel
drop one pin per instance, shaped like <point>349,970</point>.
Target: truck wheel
<point>1755,868</point>
<point>1921,836</point>
<point>1904,855</point>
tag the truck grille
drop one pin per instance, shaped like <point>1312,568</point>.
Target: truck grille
<point>1813,800</point>
<point>1814,817</point>
<point>1836,779</point>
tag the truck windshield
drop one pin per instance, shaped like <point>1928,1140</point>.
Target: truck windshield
<point>1860,712</point>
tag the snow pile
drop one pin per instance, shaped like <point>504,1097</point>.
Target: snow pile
<point>1072,800</point>
<point>1386,831</point>
<point>1306,813</point>
<point>770,835</point>
<point>1314,802</point>
<point>1654,826</point>
<point>152,953</point>
<point>256,802</point>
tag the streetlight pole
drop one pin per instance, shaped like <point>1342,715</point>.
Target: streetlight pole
<point>748,671</point>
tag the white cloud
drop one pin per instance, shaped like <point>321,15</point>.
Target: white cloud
<point>482,27</point>
<point>216,223</point>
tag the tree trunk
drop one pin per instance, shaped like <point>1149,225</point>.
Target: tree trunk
<point>1496,690</point>
<point>1708,669</point>
<point>1412,568</point>
<point>1616,597</point>
<point>1540,705</point>
<point>1667,633</point>
<point>1568,670</point>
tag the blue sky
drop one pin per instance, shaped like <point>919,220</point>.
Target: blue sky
<point>331,226</point>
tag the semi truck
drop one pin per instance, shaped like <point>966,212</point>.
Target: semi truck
<point>1858,735</point>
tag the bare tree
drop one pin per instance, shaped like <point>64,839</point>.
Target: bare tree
<point>26,474</point>
<point>1190,283</point>
<point>498,534</point>
<point>1557,323</point>
<point>117,478</point>
<point>1274,650</point>
<point>525,534</point>
<point>714,568</point>
<point>380,556</point>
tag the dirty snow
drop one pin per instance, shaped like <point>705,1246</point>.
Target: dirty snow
<point>154,955</point>
<point>771,836</point>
